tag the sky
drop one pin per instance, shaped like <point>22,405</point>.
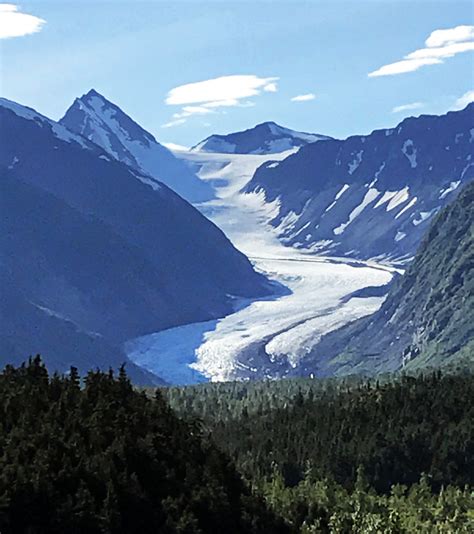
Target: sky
<point>187,69</point>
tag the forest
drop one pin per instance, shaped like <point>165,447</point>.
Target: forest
<point>95,454</point>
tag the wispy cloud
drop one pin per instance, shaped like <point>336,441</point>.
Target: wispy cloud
<point>187,111</point>
<point>440,45</point>
<point>464,100</point>
<point>205,97</point>
<point>176,122</point>
<point>303,98</point>
<point>16,24</point>
<point>408,107</point>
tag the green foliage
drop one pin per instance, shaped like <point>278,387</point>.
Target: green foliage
<point>336,456</point>
<point>350,455</point>
<point>395,430</point>
<point>105,458</point>
<point>323,506</point>
<point>232,400</point>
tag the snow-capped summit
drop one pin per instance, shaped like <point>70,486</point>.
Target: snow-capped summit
<point>104,123</point>
<point>265,138</point>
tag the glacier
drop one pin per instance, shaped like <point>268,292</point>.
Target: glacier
<point>263,338</point>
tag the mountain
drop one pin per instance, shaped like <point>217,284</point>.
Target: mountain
<point>104,123</point>
<point>370,196</point>
<point>103,250</point>
<point>427,318</point>
<point>265,138</point>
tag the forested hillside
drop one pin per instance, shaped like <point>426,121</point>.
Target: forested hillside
<point>396,430</point>
<point>97,456</point>
<point>350,455</point>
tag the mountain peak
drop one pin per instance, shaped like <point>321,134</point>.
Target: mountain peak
<point>267,123</point>
<point>95,100</point>
<point>92,92</point>
<point>264,138</point>
<point>104,123</point>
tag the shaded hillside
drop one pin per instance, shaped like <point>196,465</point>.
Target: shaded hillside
<point>53,258</point>
<point>428,316</point>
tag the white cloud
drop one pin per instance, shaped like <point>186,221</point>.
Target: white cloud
<point>443,52</point>
<point>440,45</point>
<point>231,102</point>
<point>187,111</point>
<point>270,87</point>
<point>204,97</point>
<point>176,122</point>
<point>303,98</point>
<point>451,35</point>
<point>222,89</point>
<point>407,107</point>
<point>464,100</point>
<point>15,24</point>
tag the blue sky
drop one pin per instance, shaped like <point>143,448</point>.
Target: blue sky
<point>136,52</point>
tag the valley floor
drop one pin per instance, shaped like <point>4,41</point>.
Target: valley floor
<point>265,337</point>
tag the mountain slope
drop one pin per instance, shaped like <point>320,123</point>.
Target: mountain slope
<point>427,318</point>
<point>59,266</point>
<point>27,328</point>
<point>88,240</point>
<point>265,138</point>
<point>370,196</point>
<point>104,123</point>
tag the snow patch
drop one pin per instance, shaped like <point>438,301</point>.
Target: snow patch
<point>15,160</point>
<point>409,151</point>
<point>407,207</point>
<point>341,191</point>
<point>400,236</point>
<point>399,198</point>
<point>354,164</point>
<point>423,215</point>
<point>369,197</point>
<point>452,186</point>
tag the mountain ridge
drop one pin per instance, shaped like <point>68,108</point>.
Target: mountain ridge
<point>264,138</point>
<point>369,196</point>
